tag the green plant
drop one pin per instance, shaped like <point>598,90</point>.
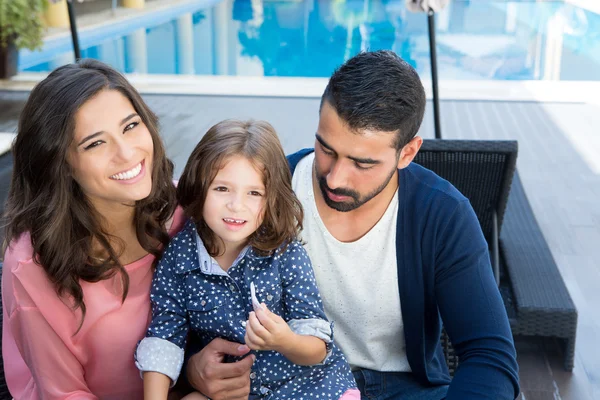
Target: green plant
<point>21,23</point>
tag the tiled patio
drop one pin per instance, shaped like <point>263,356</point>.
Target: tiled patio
<point>558,163</point>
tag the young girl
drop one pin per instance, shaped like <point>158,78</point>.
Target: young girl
<point>236,271</point>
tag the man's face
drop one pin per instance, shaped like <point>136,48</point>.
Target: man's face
<point>352,169</point>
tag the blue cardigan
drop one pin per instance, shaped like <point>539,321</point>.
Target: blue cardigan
<point>444,274</point>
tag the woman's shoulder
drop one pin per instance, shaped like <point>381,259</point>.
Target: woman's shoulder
<point>24,282</point>
<point>18,252</point>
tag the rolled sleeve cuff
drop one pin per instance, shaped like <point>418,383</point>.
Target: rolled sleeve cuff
<point>315,327</point>
<point>159,355</point>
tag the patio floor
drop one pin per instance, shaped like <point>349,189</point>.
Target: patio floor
<point>558,163</point>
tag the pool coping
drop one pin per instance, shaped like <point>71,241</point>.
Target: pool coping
<point>259,86</point>
<point>94,33</point>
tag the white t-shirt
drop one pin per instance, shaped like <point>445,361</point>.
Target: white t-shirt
<point>358,282</point>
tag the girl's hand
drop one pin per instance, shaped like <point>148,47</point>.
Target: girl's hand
<point>267,331</point>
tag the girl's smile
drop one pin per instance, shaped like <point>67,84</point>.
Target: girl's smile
<point>234,224</point>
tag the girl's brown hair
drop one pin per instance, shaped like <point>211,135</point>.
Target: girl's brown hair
<point>45,200</point>
<point>257,142</point>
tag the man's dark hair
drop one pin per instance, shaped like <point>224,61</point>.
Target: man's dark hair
<point>379,91</point>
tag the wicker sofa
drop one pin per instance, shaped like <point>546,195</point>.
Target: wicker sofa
<point>535,295</point>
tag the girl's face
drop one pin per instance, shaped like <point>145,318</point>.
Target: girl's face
<point>234,205</point>
<point>111,154</point>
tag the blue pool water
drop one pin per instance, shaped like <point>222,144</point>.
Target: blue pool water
<point>478,39</point>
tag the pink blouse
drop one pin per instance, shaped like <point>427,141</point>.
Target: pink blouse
<point>42,357</point>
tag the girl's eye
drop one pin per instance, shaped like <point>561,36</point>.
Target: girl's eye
<point>221,189</point>
<point>255,193</point>
<point>131,126</point>
<point>93,144</point>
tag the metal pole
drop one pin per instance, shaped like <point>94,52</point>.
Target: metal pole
<point>434,74</point>
<point>73,30</point>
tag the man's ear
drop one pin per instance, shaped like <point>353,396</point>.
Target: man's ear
<point>409,151</point>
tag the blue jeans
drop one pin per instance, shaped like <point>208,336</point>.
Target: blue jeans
<point>375,385</point>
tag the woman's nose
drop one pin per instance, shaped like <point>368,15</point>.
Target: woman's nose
<point>124,150</point>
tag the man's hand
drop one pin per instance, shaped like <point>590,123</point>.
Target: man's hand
<point>208,374</point>
<point>267,331</point>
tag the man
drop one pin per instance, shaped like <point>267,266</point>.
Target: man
<point>397,252</point>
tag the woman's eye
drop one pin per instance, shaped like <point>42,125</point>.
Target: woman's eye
<point>255,193</point>
<point>221,189</point>
<point>93,144</point>
<point>131,126</point>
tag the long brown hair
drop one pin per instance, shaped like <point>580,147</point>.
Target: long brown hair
<point>45,200</point>
<point>257,141</point>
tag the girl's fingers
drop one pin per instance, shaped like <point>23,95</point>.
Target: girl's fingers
<point>249,342</point>
<point>252,339</point>
<point>257,328</point>
<point>269,320</point>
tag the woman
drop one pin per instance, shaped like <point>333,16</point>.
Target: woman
<point>90,208</point>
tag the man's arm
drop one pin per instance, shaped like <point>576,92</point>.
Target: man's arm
<point>473,312</point>
<point>209,374</point>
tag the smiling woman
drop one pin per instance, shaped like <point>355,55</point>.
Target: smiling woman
<point>111,154</point>
<point>90,208</point>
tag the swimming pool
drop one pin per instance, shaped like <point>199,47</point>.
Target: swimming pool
<point>477,40</point>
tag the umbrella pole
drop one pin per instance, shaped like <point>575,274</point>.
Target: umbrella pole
<point>434,75</point>
<point>74,34</point>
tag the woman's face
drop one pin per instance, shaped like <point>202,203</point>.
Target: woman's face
<point>111,154</point>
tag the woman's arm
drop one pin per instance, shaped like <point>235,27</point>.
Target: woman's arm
<point>56,373</point>
<point>37,347</point>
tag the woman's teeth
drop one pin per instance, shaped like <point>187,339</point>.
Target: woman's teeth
<point>132,173</point>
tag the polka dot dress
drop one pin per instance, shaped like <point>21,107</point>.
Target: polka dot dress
<point>191,291</point>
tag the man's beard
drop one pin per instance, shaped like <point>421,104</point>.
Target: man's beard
<point>357,200</point>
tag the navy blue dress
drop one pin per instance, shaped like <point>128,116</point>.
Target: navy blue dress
<point>191,291</point>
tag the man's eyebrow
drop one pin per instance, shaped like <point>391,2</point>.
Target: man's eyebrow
<point>323,142</point>
<point>355,159</point>
<point>364,160</point>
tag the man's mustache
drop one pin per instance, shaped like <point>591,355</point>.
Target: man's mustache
<point>338,191</point>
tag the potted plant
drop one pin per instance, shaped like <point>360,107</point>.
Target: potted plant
<point>20,27</point>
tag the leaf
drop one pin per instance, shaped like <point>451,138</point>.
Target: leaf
<point>20,22</point>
